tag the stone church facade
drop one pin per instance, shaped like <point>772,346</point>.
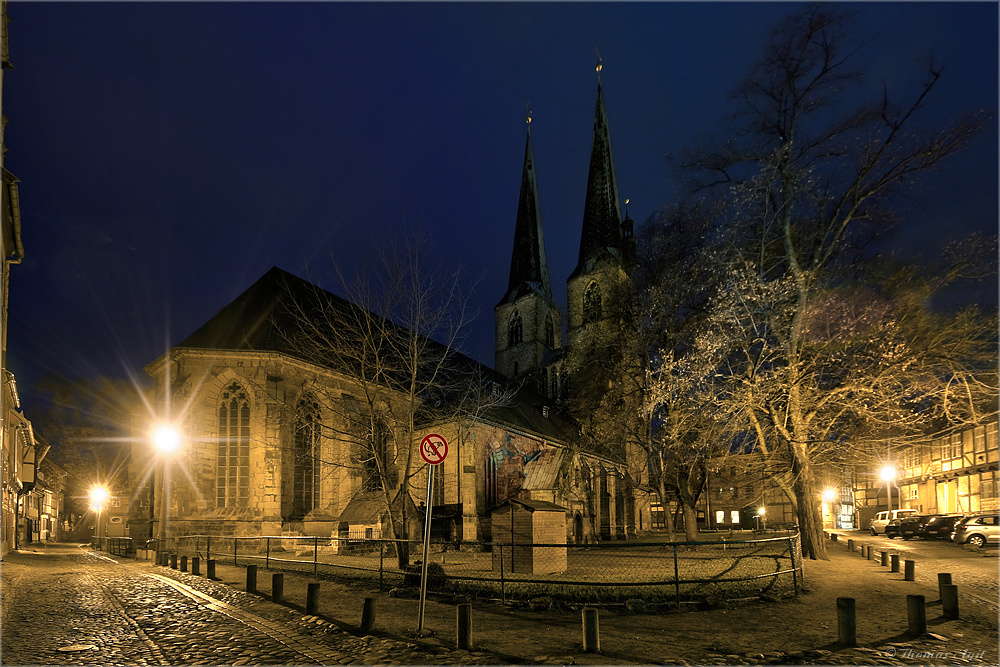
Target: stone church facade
<point>267,450</point>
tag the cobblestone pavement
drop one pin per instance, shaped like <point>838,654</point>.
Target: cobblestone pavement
<point>76,608</point>
<point>975,571</point>
<point>120,611</point>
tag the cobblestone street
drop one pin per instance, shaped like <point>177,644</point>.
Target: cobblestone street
<point>66,605</point>
<point>76,608</point>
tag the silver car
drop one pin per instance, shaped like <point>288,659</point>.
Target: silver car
<point>977,529</point>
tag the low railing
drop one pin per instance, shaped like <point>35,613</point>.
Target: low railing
<point>119,546</point>
<point>610,572</point>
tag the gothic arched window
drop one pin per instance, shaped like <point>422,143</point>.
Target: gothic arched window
<point>492,482</point>
<point>305,478</point>
<point>515,330</point>
<point>550,332</point>
<point>592,303</point>
<point>375,466</point>
<point>232,471</point>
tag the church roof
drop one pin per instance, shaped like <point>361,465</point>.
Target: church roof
<point>529,271</point>
<point>263,319</point>
<point>602,225</point>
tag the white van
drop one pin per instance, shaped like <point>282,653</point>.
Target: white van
<point>883,518</point>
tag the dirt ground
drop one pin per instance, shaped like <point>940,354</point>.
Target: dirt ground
<point>801,630</point>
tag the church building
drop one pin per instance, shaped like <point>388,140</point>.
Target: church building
<point>271,444</point>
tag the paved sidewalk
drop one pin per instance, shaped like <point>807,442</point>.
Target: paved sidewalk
<point>133,612</point>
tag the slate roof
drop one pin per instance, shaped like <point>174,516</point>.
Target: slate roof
<point>542,472</point>
<point>262,319</point>
<point>367,507</point>
<point>532,505</point>
<point>529,270</point>
<point>602,224</point>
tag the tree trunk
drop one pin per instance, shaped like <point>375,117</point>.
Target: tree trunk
<point>809,509</point>
<point>690,522</point>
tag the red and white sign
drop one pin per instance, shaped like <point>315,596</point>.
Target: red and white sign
<point>433,449</point>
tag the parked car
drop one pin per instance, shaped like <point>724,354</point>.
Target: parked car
<point>892,528</point>
<point>941,527</point>
<point>882,519</point>
<point>913,526</point>
<point>977,529</point>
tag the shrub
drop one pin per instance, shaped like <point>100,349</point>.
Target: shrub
<point>436,578</point>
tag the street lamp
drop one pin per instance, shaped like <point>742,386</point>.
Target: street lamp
<point>98,496</point>
<point>888,474</point>
<point>166,439</point>
<point>829,495</point>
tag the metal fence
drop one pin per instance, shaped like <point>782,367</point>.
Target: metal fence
<point>119,546</point>
<point>605,573</point>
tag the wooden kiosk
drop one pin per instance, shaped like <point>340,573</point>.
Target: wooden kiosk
<point>518,525</point>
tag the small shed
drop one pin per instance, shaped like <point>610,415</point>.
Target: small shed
<point>519,527</point>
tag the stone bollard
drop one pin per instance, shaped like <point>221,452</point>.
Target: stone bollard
<point>944,579</point>
<point>894,563</point>
<point>591,631</point>
<point>312,598</point>
<point>835,537</point>
<point>251,578</point>
<point>196,566</point>
<point>184,563</point>
<point>850,545</point>
<point>871,553</point>
<point>847,627</point>
<point>277,587</point>
<point>464,627</point>
<point>159,558</point>
<point>368,616</point>
<point>210,573</point>
<point>885,558</point>
<point>173,561</point>
<point>909,570</point>
<point>949,600</point>
<point>916,615</point>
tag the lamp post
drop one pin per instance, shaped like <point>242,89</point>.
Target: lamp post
<point>98,496</point>
<point>166,440</point>
<point>887,474</point>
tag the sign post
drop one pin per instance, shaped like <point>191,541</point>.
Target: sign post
<point>433,450</point>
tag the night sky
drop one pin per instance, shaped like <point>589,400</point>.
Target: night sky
<point>170,154</point>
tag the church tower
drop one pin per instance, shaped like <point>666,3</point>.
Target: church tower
<point>528,323</point>
<point>607,249</point>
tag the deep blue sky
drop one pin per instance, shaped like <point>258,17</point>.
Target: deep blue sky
<point>169,154</point>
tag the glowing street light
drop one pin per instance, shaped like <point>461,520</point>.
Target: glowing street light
<point>98,496</point>
<point>829,495</point>
<point>888,474</point>
<point>166,439</point>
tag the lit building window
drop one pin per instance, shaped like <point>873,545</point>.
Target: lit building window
<point>232,482</point>
<point>305,481</point>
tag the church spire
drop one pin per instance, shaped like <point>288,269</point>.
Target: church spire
<point>529,271</point>
<point>602,223</point>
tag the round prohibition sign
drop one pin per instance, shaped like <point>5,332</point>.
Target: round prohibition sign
<point>433,449</point>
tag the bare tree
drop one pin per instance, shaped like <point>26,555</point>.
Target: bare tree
<point>396,338</point>
<point>808,185</point>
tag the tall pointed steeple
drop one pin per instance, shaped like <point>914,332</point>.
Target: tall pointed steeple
<point>602,223</point>
<point>528,323</point>
<point>529,271</point>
